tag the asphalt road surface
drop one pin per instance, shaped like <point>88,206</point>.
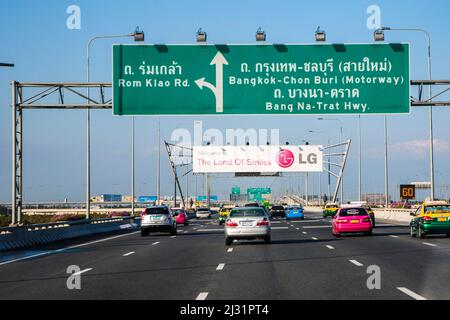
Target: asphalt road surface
<point>304,261</point>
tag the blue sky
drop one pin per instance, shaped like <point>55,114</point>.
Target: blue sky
<point>33,35</point>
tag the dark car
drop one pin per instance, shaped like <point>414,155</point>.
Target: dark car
<point>278,211</point>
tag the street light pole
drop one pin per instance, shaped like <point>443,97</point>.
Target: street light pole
<point>386,182</point>
<point>430,99</point>
<point>138,36</point>
<point>340,138</point>
<point>158,173</point>
<point>132,166</point>
<point>360,160</point>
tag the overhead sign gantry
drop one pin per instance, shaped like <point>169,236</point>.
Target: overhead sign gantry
<point>269,79</point>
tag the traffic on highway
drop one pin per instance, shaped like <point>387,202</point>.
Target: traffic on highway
<point>225,160</point>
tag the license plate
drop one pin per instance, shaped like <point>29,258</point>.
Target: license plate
<point>247,223</point>
<point>354,221</point>
<point>442,219</point>
<point>156,218</point>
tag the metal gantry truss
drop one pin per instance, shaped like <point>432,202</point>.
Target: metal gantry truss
<point>70,96</point>
<point>341,165</point>
<point>443,86</point>
<point>169,147</point>
<point>64,96</point>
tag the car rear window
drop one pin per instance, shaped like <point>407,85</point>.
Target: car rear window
<point>203,209</point>
<point>254,212</point>
<point>156,211</point>
<point>353,212</point>
<point>437,208</point>
<point>277,207</point>
<point>179,211</point>
<point>295,208</point>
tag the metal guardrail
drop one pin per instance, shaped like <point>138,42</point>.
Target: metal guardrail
<point>38,234</point>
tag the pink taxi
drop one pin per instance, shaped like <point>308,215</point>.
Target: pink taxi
<point>180,216</point>
<point>352,220</point>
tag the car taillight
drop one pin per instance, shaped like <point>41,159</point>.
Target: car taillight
<point>427,218</point>
<point>143,213</point>
<point>231,223</point>
<point>263,222</point>
<point>367,220</point>
<point>342,221</point>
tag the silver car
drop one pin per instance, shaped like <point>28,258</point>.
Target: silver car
<point>158,219</point>
<point>247,223</point>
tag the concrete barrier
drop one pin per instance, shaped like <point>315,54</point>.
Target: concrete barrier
<point>398,215</point>
<point>28,236</point>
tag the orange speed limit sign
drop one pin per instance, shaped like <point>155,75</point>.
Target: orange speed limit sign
<point>407,191</point>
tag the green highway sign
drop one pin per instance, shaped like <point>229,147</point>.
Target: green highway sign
<point>235,190</point>
<point>261,79</point>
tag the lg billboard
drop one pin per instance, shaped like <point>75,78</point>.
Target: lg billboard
<point>226,159</point>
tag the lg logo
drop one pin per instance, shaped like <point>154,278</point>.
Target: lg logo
<point>285,158</point>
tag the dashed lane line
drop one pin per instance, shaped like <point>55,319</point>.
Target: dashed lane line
<point>82,271</point>
<point>411,293</point>
<point>202,296</point>
<point>356,263</point>
<point>129,254</point>
<point>220,267</point>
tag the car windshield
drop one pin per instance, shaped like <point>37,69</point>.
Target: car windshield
<point>437,208</point>
<point>157,211</point>
<point>254,212</point>
<point>353,212</point>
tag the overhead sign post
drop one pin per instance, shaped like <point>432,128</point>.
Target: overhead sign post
<point>261,79</point>
<point>233,159</point>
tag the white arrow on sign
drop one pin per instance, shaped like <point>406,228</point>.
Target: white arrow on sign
<point>218,60</point>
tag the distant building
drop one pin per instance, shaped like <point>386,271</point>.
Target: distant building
<point>375,199</point>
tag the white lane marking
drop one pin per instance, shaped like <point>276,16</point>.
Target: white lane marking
<point>303,221</point>
<point>129,253</point>
<point>173,237</point>
<point>429,244</point>
<point>66,248</point>
<point>393,236</point>
<point>155,243</point>
<point>330,247</point>
<point>314,238</point>
<point>276,222</point>
<point>230,250</point>
<point>411,294</point>
<point>297,228</point>
<point>82,271</point>
<point>316,227</point>
<point>304,232</point>
<point>202,296</point>
<point>206,230</point>
<point>185,231</point>
<point>356,263</point>
<point>220,266</point>
<point>280,228</point>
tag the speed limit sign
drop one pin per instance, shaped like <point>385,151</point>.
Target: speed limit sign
<point>407,191</point>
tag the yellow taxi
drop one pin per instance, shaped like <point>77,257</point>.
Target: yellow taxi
<point>330,209</point>
<point>432,217</point>
<point>224,213</point>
